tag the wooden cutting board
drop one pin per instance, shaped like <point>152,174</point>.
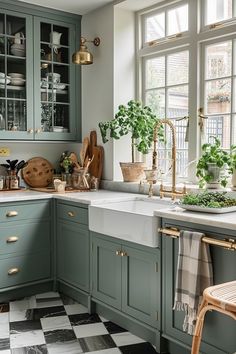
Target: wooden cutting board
<point>96,166</point>
<point>38,172</point>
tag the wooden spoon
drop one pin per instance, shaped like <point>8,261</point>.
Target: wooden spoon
<point>84,150</point>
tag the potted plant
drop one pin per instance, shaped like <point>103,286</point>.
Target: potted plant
<point>214,165</point>
<point>139,121</point>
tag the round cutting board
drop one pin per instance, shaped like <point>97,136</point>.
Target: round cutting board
<point>38,172</point>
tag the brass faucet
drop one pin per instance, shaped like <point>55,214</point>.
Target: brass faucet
<point>173,192</point>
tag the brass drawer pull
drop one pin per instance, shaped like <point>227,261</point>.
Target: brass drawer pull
<point>12,239</point>
<point>13,271</point>
<point>71,214</point>
<point>11,213</point>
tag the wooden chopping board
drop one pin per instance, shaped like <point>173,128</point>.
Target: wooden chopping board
<point>38,172</point>
<point>96,166</point>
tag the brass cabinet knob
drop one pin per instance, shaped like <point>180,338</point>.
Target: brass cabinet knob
<point>12,239</point>
<point>13,271</point>
<point>30,131</point>
<point>118,253</point>
<point>71,214</point>
<point>123,254</point>
<point>11,213</point>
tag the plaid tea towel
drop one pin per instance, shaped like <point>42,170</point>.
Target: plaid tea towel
<point>194,274</point>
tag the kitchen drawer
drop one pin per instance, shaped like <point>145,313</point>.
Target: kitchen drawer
<point>23,211</point>
<point>24,269</point>
<point>73,213</point>
<point>24,238</point>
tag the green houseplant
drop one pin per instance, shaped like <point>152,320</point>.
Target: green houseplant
<point>138,121</point>
<point>214,165</point>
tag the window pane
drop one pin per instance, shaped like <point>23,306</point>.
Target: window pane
<point>218,96</point>
<point>155,72</point>
<point>156,100</point>
<point>218,10</point>
<point>219,126</point>
<point>178,20</point>
<point>218,60</point>
<point>234,129</point>
<point>155,27</point>
<point>177,101</point>
<point>177,68</point>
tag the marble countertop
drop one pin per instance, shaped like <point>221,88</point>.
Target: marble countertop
<point>98,197</point>
<point>227,221</point>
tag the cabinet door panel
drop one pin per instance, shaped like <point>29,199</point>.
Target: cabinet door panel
<point>106,272</point>
<point>140,290</point>
<point>219,331</point>
<point>73,254</point>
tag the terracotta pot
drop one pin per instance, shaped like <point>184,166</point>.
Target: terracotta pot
<point>132,171</point>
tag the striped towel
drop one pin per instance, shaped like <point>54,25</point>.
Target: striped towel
<point>194,274</point>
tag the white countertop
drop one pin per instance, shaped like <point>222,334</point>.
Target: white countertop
<point>98,197</point>
<point>227,220</point>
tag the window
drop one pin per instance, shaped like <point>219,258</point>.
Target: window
<point>184,68</point>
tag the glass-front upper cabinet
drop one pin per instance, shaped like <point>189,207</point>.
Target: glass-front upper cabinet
<point>55,81</point>
<point>16,67</point>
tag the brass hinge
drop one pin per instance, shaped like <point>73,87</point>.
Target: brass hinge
<point>156,315</point>
<point>156,267</point>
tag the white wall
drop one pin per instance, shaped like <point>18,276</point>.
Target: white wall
<point>97,79</point>
<point>110,80</point>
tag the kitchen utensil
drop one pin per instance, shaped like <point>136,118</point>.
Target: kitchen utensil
<point>97,152</point>
<point>38,172</point>
<point>84,150</point>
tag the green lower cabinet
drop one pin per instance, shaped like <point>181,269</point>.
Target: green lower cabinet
<point>73,254</point>
<point>126,277</point>
<point>106,283</point>
<point>140,285</point>
<point>219,330</point>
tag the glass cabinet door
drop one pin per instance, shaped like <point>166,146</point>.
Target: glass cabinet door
<point>55,82</point>
<point>15,69</point>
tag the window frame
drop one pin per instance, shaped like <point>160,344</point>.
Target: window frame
<point>194,39</point>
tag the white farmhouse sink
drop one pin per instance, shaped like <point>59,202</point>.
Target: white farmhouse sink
<point>130,220</point>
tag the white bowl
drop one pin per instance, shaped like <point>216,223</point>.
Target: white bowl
<point>58,129</point>
<point>3,80</point>
<point>18,52</point>
<point>59,86</point>
<point>2,74</point>
<point>17,82</point>
<point>16,75</point>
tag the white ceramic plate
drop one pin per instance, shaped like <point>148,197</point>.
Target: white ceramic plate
<point>208,210</point>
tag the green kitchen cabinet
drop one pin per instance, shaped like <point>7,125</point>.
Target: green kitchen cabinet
<point>126,277</point>
<point>25,240</point>
<point>219,330</point>
<point>73,246</point>
<point>39,84</point>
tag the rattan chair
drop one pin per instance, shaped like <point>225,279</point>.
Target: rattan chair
<point>221,298</point>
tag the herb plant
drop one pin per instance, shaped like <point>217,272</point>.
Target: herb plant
<point>213,154</point>
<point>209,200</point>
<point>136,119</point>
<point>233,157</point>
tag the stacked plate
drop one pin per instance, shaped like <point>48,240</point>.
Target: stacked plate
<point>17,79</point>
<point>4,78</point>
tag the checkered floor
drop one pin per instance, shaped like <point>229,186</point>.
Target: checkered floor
<point>52,324</point>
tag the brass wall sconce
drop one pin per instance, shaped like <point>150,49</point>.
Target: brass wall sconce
<point>83,56</point>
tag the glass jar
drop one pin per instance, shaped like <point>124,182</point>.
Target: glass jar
<point>81,179</point>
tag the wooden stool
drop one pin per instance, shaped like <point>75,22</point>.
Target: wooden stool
<point>221,298</point>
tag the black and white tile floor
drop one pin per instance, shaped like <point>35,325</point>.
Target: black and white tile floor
<point>50,324</point>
